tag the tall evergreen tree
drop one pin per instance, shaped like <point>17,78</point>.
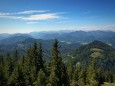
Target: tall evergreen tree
<point>22,61</point>
<point>15,58</point>
<point>70,69</point>
<point>8,68</point>
<point>55,71</point>
<point>17,77</point>
<point>1,60</point>
<point>39,59</point>
<point>76,74</point>
<point>41,79</point>
<point>65,77</point>
<point>2,76</point>
<point>29,68</point>
<point>56,67</point>
<point>34,62</point>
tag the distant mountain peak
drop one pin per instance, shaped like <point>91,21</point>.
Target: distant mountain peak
<point>100,45</point>
<point>96,42</point>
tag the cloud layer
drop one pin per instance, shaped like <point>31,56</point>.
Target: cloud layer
<point>31,11</point>
<point>40,15</point>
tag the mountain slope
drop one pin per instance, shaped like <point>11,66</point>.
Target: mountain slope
<point>3,36</point>
<point>104,54</point>
<point>12,39</point>
<point>22,43</point>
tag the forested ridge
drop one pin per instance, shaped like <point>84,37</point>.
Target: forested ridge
<point>32,69</point>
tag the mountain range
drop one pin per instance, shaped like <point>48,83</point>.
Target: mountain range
<point>82,37</point>
<point>68,39</point>
<point>104,54</point>
<point>81,46</point>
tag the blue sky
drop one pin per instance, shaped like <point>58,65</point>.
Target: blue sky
<point>23,16</point>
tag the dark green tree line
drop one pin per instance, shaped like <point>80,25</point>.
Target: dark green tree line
<point>31,70</point>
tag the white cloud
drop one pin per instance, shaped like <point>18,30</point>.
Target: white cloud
<point>32,17</point>
<point>3,14</point>
<point>42,17</point>
<point>32,22</point>
<point>10,17</point>
<point>31,11</point>
<point>24,12</point>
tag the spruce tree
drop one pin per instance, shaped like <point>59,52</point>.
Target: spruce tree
<point>55,71</point>
<point>8,68</point>
<point>70,69</point>
<point>39,59</point>
<point>22,61</point>
<point>2,76</point>
<point>56,67</point>
<point>29,68</point>
<point>15,59</point>
<point>17,77</point>
<point>76,73</point>
<point>41,79</point>
<point>65,77</point>
<point>16,56</point>
<point>34,62</point>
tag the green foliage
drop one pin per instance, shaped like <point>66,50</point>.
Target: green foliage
<point>39,60</point>
<point>108,84</point>
<point>17,77</point>
<point>65,77</point>
<point>58,73</point>
<point>108,77</point>
<point>82,78</point>
<point>92,74</point>
<point>56,62</point>
<point>70,69</point>
<point>15,58</point>
<point>41,79</point>
<point>8,68</point>
<point>77,71</point>
<point>31,69</point>
<point>104,53</point>
<point>2,76</point>
<point>73,83</point>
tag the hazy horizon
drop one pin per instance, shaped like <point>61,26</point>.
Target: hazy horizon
<point>53,15</point>
<point>57,31</point>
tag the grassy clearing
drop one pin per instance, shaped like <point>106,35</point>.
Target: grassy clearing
<point>108,84</point>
